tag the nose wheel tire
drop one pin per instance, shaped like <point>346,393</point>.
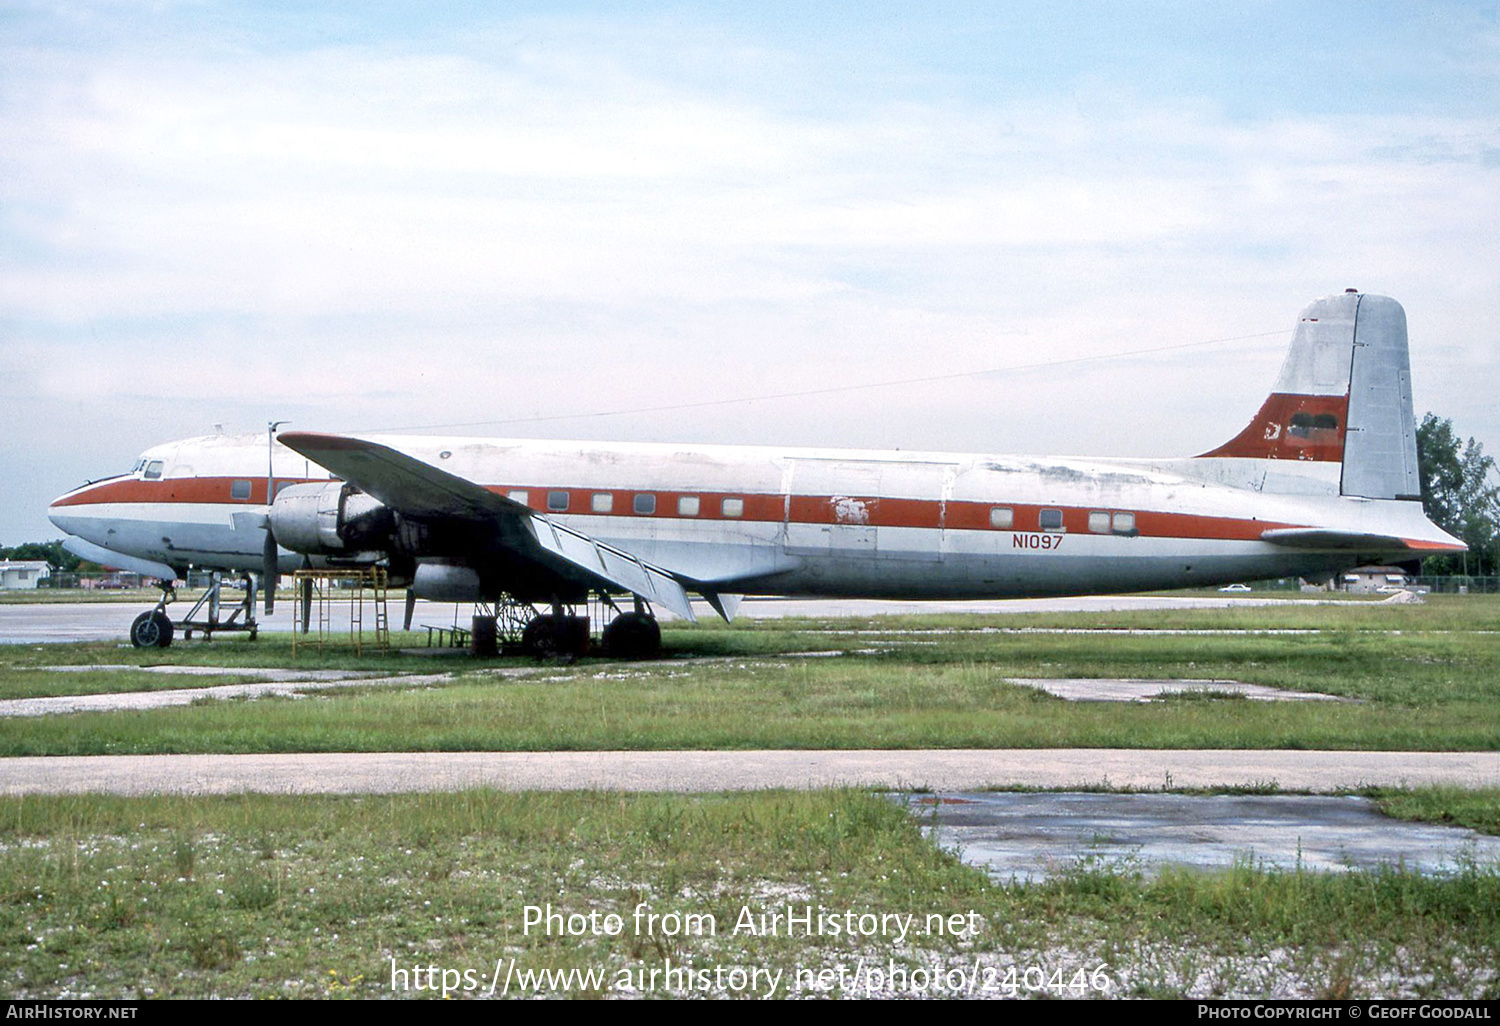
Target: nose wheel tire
<point>151,630</point>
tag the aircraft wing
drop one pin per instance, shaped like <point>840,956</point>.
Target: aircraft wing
<point>422,491</point>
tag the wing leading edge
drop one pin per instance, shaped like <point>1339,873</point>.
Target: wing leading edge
<point>422,491</point>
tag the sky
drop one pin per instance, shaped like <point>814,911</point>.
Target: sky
<point>530,219</point>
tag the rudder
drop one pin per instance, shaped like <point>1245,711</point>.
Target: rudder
<point>1380,450</point>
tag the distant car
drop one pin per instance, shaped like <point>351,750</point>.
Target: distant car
<point>1236,587</point>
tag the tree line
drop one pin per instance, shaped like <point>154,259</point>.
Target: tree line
<point>1460,495</point>
<point>53,552</point>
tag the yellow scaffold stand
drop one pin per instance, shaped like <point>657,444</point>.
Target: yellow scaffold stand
<point>322,591</point>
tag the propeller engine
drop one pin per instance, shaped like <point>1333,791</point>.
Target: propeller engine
<point>333,520</point>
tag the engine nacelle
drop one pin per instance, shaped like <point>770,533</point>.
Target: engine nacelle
<point>443,582</point>
<point>332,519</point>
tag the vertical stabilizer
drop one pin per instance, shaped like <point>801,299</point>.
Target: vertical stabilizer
<point>1343,400</point>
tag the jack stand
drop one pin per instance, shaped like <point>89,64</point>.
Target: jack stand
<point>213,599</point>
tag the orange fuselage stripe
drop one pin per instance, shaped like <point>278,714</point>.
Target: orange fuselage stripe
<point>867,511</point>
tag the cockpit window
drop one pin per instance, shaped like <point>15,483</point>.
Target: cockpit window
<point>153,470</point>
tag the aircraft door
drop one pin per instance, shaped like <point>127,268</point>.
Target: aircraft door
<point>831,507</point>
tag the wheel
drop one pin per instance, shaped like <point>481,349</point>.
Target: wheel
<point>547,636</point>
<point>539,639</point>
<point>151,629</point>
<point>632,636</point>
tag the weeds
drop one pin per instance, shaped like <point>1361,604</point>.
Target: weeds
<point>443,879</point>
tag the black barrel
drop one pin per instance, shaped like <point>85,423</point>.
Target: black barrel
<point>483,638</point>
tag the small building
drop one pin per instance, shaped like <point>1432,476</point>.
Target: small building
<point>23,574</point>
<point>1368,580</point>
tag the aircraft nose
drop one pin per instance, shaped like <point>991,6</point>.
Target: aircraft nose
<point>62,518</point>
<point>73,513</point>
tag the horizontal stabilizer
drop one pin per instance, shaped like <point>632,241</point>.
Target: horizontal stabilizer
<point>1318,538</point>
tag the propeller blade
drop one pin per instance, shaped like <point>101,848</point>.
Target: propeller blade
<point>268,571</point>
<point>411,607</point>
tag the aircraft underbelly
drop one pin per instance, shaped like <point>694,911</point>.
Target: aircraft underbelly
<point>998,577</point>
<point>892,561</point>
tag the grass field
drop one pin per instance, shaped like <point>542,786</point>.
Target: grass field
<point>137,596</point>
<point>1418,677</point>
<point>273,896</point>
<point>266,896</point>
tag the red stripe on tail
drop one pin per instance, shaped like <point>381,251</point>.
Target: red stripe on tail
<point>1292,427</point>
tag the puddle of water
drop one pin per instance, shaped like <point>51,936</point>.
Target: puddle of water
<point>1103,689</point>
<point>1030,837</point>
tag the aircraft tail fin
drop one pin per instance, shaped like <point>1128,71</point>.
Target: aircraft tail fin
<point>1343,400</point>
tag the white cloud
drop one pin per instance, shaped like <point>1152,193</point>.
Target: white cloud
<point>566,223</point>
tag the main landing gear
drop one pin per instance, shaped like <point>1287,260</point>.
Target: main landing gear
<point>559,634</point>
<point>632,636</point>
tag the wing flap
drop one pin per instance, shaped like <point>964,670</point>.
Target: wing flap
<point>617,566</point>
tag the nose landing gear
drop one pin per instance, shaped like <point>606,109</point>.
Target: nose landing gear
<point>154,629</point>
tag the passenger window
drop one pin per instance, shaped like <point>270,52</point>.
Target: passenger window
<point>687,506</point>
<point>733,507</point>
<point>1002,518</point>
<point>602,502</point>
<point>239,490</point>
<point>520,495</point>
<point>1124,523</point>
<point>557,501</point>
<point>1099,522</point>
<point>153,470</point>
<point>645,503</point>
<point>1050,520</point>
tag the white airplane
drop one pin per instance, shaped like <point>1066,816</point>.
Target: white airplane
<point>1323,477</point>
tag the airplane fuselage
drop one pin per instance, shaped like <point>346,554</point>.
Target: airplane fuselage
<point>794,522</point>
